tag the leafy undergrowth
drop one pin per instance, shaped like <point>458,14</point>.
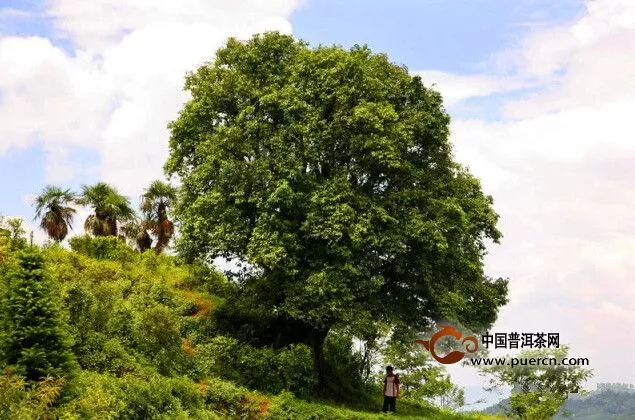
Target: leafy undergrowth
<point>145,341</point>
<point>203,302</point>
<point>133,397</point>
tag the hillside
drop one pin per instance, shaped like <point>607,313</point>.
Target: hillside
<point>598,405</point>
<point>146,343</point>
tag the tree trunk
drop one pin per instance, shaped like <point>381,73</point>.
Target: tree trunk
<point>318,336</point>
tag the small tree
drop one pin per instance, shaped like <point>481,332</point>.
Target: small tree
<point>538,391</point>
<point>34,342</point>
<point>13,230</point>
<point>421,376</point>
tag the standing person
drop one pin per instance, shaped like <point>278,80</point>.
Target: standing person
<point>391,390</point>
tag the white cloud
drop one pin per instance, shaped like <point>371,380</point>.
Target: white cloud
<point>588,63</point>
<point>98,24</point>
<point>455,88</point>
<point>122,84</point>
<point>561,167</point>
<point>45,93</point>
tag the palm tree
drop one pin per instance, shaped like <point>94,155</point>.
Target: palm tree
<point>110,209</point>
<point>52,207</point>
<point>155,202</point>
<point>137,234</point>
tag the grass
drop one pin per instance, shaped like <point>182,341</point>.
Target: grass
<point>301,410</point>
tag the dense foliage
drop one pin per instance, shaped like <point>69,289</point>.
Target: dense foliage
<point>329,172</point>
<point>34,342</point>
<point>328,176</point>
<point>132,335</point>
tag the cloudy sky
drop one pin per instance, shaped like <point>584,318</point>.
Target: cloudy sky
<point>542,99</point>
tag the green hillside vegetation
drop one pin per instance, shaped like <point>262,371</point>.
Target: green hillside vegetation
<point>133,336</point>
<point>598,405</point>
<point>602,404</point>
<point>328,175</point>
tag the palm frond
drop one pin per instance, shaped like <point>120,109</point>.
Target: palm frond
<point>51,206</point>
<point>110,208</point>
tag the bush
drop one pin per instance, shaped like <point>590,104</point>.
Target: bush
<point>103,247</point>
<point>232,401</point>
<point>157,336</point>
<point>295,364</point>
<point>98,353</point>
<point>218,358</point>
<point>343,368</point>
<point>136,397</point>
<point>17,401</point>
<point>148,398</point>
<point>121,324</point>
<point>259,368</point>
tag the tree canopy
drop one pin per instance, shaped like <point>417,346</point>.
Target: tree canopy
<point>110,209</point>
<point>53,209</point>
<point>329,171</point>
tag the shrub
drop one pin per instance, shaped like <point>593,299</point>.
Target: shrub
<point>98,353</point>
<point>149,397</point>
<point>136,397</point>
<point>259,368</point>
<point>157,335</point>
<point>218,358</point>
<point>121,324</point>
<point>103,247</point>
<point>231,401</point>
<point>79,302</point>
<point>17,401</point>
<point>342,367</point>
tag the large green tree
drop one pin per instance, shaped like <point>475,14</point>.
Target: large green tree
<point>53,209</point>
<point>110,209</point>
<point>330,172</point>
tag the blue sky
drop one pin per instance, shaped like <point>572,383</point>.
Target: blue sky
<point>452,36</point>
<point>456,36</point>
<point>541,96</point>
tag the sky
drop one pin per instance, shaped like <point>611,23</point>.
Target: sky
<point>541,94</point>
